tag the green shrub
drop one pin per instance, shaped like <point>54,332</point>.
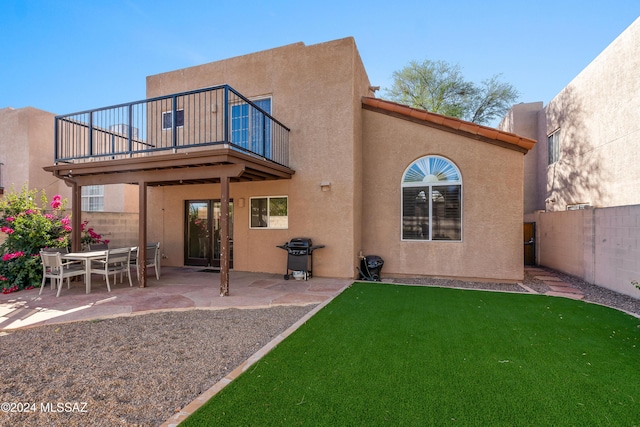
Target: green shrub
<point>28,229</point>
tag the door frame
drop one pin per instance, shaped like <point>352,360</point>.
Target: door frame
<point>209,259</point>
<point>529,239</point>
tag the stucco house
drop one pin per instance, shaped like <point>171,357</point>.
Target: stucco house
<point>582,176</point>
<point>26,136</point>
<point>586,135</point>
<point>235,157</point>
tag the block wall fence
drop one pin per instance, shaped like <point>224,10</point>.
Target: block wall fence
<point>598,245</point>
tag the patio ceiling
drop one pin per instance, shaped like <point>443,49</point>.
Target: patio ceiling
<point>189,167</point>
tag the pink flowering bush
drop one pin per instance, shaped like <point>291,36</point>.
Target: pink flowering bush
<point>28,229</point>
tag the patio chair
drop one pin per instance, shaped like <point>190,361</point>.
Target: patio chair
<point>60,250</point>
<point>152,259</point>
<point>55,270</point>
<point>98,246</point>
<point>116,261</point>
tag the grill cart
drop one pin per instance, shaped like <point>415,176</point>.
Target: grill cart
<point>300,257</point>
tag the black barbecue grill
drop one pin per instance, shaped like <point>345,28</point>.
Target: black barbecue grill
<point>300,257</point>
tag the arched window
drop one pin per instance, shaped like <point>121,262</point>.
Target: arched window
<point>432,200</point>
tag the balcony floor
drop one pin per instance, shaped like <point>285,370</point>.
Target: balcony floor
<point>187,167</point>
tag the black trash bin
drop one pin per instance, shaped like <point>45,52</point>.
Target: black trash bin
<point>370,268</point>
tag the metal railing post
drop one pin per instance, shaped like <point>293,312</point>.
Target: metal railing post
<point>130,130</point>
<point>174,121</point>
<point>55,140</point>
<point>264,136</point>
<point>225,115</point>
<point>91,134</point>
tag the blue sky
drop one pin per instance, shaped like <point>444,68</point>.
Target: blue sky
<point>75,55</point>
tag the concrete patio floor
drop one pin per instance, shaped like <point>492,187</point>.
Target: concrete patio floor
<point>178,289</point>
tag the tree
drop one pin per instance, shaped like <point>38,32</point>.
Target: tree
<point>440,87</point>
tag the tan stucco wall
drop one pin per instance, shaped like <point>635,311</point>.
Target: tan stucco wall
<point>26,145</point>
<point>523,120</point>
<point>316,92</point>
<point>121,198</point>
<point>491,246</point>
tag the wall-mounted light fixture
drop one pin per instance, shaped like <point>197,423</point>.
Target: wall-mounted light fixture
<point>241,202</point>
<point>325,186</point>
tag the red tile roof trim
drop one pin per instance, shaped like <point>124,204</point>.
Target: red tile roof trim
<point>524,144</point>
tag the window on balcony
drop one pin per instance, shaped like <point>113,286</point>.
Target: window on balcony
<point>93,198</point>
<point>249,130</point>
<point>167,123</point>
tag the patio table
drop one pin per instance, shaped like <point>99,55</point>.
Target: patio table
<point>86,258</point>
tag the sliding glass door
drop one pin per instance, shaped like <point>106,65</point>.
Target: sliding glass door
<point>202,233</point>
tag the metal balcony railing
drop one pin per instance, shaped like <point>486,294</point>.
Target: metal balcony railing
<point>184,121</point>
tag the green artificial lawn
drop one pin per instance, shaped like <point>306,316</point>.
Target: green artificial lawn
<point>407,355</point>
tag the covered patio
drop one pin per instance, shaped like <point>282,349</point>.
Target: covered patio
<point>207,136</point>
<point>179,288</point>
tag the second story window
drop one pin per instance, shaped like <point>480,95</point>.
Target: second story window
<point>93,198</point>
<point>249,129</point>
<point>167,123</point>
<point>554,147</point>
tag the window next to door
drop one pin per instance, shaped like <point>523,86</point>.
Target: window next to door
<point>269,212</point>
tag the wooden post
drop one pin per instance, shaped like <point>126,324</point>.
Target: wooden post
<point>76,217</point>
<point>224,236</point>
<point>142,234</point>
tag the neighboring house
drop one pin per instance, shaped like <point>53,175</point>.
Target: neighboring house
<point>586,162</point>
<point>292,143</point>
<point>588,135</point>
<point>26,146</point>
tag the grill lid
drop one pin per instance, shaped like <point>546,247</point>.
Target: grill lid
<point>300,242</point>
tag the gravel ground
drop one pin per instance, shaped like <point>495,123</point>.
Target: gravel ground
<point>133,371</point>
<point>140,370</point>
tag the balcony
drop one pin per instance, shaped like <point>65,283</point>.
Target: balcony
<point>185,122</point>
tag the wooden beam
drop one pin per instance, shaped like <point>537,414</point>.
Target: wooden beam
<point>224,236</point>
<point>218,156</point>
<point>76,218</point>
<point>162,175</point>
<point>142,234</point>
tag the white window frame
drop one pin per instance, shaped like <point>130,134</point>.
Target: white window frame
<point>92,199</point>
<point>270,225</point>
<point>247,131</point>
<point>430,182</point>
<point>170,114</point>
